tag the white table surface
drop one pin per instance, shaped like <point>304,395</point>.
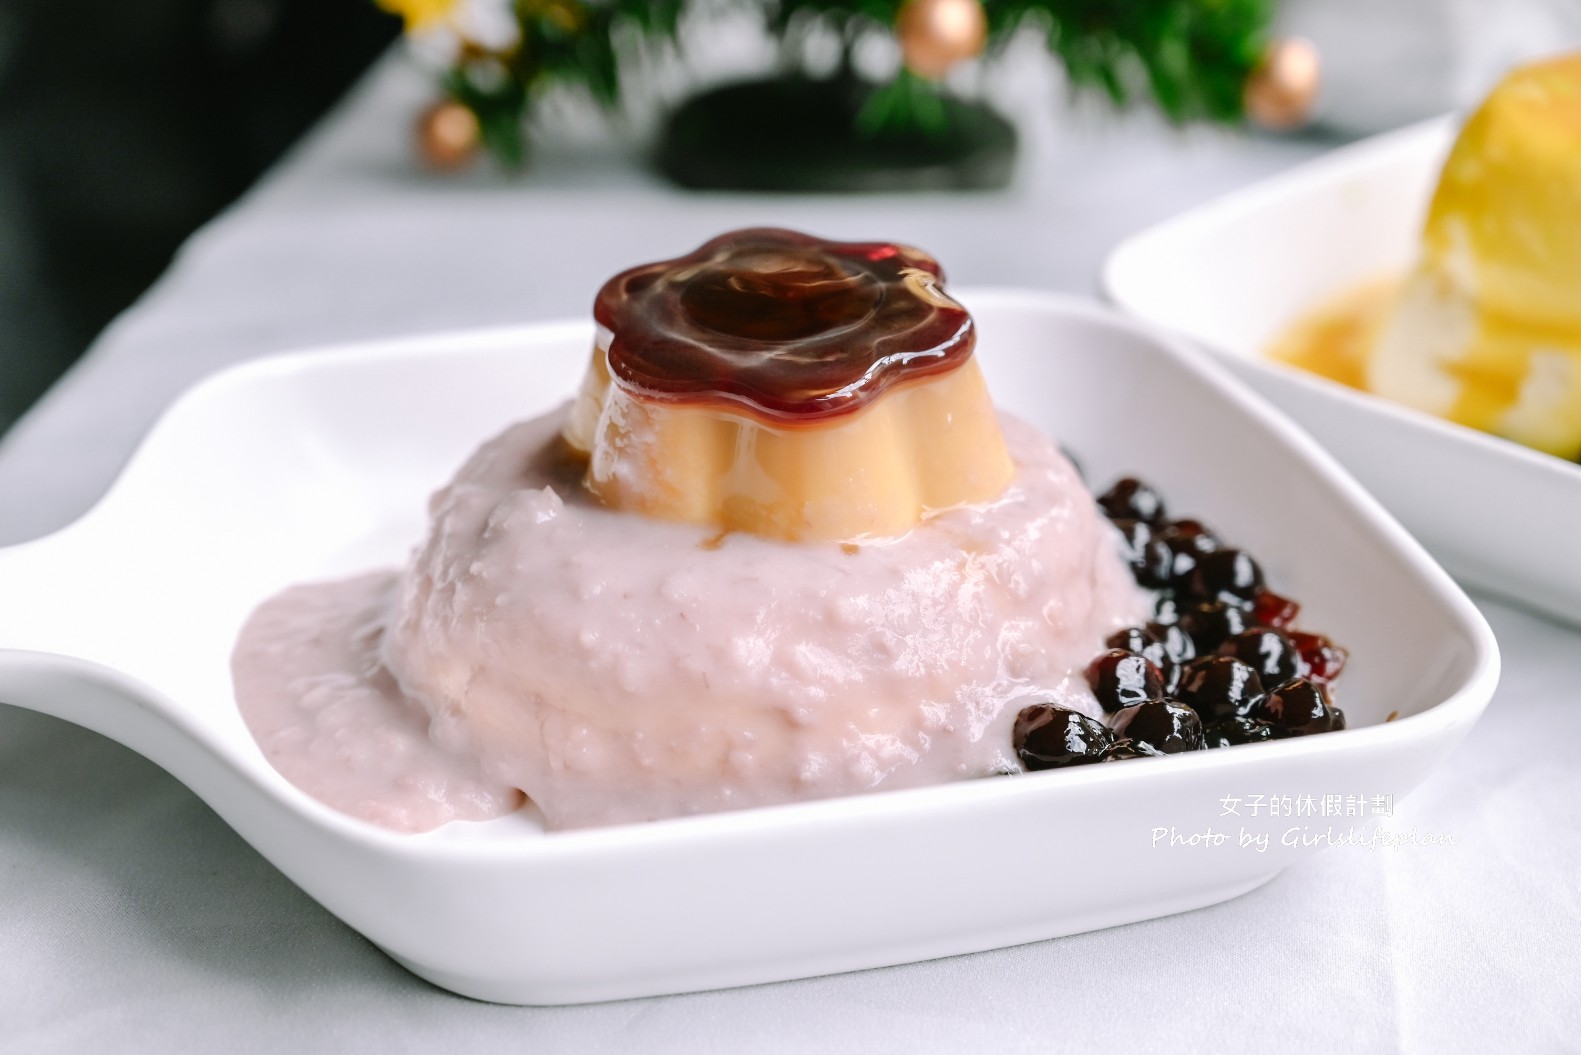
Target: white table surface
<point>133,920</point>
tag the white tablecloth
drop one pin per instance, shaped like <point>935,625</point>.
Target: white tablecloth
<point>131,919</point>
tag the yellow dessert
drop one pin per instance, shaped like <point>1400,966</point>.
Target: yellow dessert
<point>871,415</point>
<point>1486,330</point>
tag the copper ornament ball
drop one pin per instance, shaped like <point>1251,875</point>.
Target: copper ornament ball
<point>934,35</point>
<point>1282,92</point>
<point>448,136</point>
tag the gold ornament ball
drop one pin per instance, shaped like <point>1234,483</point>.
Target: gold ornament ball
<point>936,34</point>
<point>448,136</point>
<point>1282,91</point>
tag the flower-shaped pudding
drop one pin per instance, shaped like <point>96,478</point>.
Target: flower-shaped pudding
<point>779,548</point>
<point>774,383</point>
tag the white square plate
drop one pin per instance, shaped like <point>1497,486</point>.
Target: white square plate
<point>1233,273</point>
<point>320,464</point>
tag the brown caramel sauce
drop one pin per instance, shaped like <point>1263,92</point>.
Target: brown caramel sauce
<point>786,326</point>
<point>715,541</point>
<point>1335,338</point>
<point>850,549</point>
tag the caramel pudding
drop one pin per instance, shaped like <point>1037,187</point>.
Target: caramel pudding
<point>787,387</point>
<point>1486,330</point>
<point>778,548</point>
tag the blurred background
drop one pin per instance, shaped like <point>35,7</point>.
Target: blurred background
<point>123,127</point>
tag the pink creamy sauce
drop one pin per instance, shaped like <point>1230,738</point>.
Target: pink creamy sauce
<point>614,668</point>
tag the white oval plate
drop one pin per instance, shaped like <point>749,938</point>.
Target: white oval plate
<point>1233,273</point>
<point>319,464</point>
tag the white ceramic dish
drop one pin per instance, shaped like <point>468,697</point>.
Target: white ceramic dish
<point>314,465</point>
<point>1231,274</point>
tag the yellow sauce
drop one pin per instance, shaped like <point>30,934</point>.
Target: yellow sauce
<point>1334,339</point>
<point>1485,331</point>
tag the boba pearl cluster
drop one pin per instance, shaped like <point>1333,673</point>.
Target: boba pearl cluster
<point>1221,662</point>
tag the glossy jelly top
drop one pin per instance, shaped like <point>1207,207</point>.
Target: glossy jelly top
<point>784,325</point>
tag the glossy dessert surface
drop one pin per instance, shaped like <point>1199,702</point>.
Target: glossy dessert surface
<point>780,385</point>
<point>781,325</point>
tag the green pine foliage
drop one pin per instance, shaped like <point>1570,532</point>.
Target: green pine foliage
<point>1191,58</point>
<point>563,42</point>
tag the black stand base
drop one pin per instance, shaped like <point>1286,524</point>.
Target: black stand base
<point>799,134</point>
